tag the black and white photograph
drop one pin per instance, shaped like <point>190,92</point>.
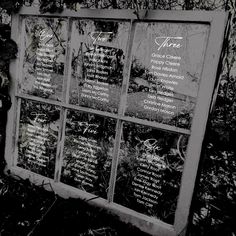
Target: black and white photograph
<point>117,117</point>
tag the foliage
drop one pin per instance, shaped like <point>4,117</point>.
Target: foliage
<point>215,198</point>
<point>11,5</point>
<point>51,6</point>
<point>8,49</point>
<point>27,209</point>
<point>22,205</point>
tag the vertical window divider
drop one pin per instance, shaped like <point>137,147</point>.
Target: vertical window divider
<point>119,124</point>
<point>70,44</point>
<point>115,160</point>
<point>63,112</point>
<point>127,70</point>
<point>17,126</point>
<point>60,146</point>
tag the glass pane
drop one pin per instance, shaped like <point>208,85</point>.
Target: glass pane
<point>149,171</point>
<point>167,61</point>
<point>38,134</point>
<point>44,58</point>
<point>99,51</point>
<point>88,152</point>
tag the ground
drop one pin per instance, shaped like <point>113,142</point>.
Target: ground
<point>29,210</point>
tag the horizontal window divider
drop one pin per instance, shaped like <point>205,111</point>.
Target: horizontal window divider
<point>185,17</point>
<point>48,184</point>
<point>45,182</point>
<point>107,114</point>
<point>89,110</point>
<point>37,179</point>
<point>127,14</point>
<point>84,13</point>
<point>68,106</point>
<point>39,99</point>
<point>157,125</point>
<point>148,224</point>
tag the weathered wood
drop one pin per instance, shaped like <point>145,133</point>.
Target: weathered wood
<point>107,114</point>
<point>200,120</point>
<point>147,224</point>
<point>63,113</point>
<point>12,113</point>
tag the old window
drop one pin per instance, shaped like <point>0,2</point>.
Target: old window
<point>111,108</point>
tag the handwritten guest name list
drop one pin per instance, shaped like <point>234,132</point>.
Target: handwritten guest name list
<point>97,68</point>
<point>165,74</point>
<point>45,55</point>
<point>85,156</point>
<point>147,182</point>
<point>37,135</point>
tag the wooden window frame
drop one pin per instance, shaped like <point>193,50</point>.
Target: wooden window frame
<point>217,22</point>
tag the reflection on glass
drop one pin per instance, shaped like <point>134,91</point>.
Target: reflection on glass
<point>88,152</point>
<point>99,51</point>
<point>38,134</point>
<point>44,57</point>
<point>167,61</point>
<point>149,171</point>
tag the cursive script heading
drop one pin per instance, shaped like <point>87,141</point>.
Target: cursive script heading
<point>43,34</point>
<point>85,127</point>
<point>168,42</point>
<point>98,36</point>
<point>39,117</point>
